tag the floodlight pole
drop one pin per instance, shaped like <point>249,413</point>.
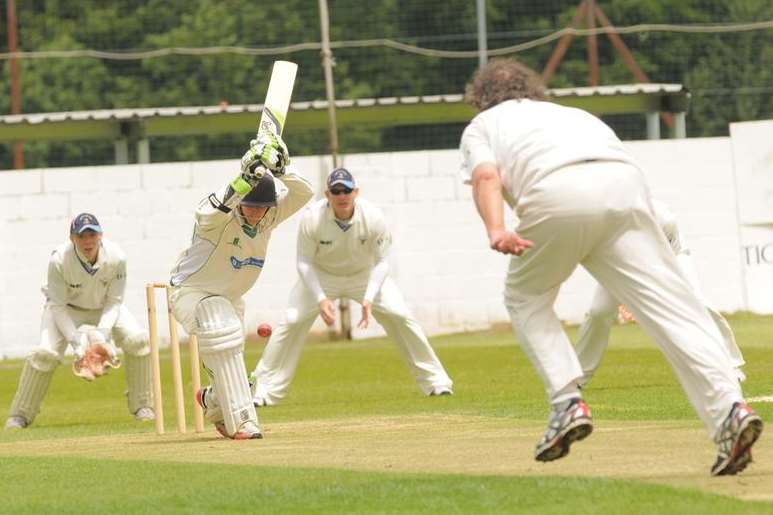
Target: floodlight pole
<point>482,34</point>
<point>18,146</point>
<point>327,65</point>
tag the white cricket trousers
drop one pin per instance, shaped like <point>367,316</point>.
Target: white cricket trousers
<point>279,360</point>
<point>593,335</point>
<point>43,360</point>
<point>598,214</point>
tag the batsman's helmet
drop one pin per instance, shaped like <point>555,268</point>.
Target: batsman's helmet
<point>263,194</point>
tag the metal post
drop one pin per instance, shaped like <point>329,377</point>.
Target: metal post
<point>18,146</point>
<point>679,129</point>
<point>121,150</point>
<point>653,125</point>
<point>482,34</point>
<point>327,65</point>
<point>143,151</point>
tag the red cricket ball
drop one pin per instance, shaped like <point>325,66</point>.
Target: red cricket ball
<point>264,330</point>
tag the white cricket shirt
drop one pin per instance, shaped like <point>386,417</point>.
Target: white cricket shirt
<point>343,248</point>
<point>73,283</point>
<point>528,140</point>
<point>226,256</point>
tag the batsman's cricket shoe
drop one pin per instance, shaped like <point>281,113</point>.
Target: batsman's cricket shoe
<point>570,423</point>
<point>738,432</point>
<point>248,431</point>
<point>16,422</point>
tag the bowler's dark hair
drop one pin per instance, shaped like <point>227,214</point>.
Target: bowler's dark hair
<point>500,80</point>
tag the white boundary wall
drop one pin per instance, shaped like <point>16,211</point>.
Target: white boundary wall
<point>440,257</point>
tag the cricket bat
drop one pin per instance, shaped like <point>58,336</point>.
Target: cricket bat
<point>280,89</point>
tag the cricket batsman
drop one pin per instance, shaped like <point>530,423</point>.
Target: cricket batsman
<point>224,260</point>
<point>84,311</point>
<point>593,335</point>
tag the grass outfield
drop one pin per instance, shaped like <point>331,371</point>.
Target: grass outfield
<point>356,435</point>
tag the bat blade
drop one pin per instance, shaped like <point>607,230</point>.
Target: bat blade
<point>280,90</point>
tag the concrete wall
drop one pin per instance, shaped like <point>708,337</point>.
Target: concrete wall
<point>440,259</point>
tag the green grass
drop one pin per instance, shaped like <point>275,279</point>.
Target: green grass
<point>367,379</point>
<point>139,487</point>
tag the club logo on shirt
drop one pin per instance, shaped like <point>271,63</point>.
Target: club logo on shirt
<point>250,261</point>
<point>74,285</point>
<point>236,243</point>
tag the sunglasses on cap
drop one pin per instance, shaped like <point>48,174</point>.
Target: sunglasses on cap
<point>340,191</point>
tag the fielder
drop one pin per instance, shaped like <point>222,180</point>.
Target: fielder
<point>84,310</point>
<point>224,260</point>
<point>593,336</point>
<point>581,199</point>
<point>343,246</point>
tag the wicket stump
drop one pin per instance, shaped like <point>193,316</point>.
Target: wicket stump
<point>174,345</point>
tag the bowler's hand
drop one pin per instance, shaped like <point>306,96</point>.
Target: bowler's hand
<point>508,242</point>
<point>365,320</point>
<point>327,310</point>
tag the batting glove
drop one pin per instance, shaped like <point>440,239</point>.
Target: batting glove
<point>267,151</point>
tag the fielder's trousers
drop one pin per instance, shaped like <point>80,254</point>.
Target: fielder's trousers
<point>598,215</point>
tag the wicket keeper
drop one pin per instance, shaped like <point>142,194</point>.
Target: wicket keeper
<point>84,310</point>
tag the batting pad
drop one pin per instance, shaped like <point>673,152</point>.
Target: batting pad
<point>138,382</point>
<point>33,385</point>
<point>233,389</point>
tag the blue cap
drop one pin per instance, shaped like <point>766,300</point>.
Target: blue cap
<point>85,222</point>
<point>340,176</point>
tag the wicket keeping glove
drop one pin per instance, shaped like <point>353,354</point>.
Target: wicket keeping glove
<point>98,357</point>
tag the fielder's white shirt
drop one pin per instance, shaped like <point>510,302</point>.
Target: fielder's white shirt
<point>344,248</point>
<point>226,256</point>
<point>74,283</point>
<point>527,140</point>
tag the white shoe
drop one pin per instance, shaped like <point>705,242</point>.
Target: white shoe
<point>248,431</point>
<point>441,390</point>
<point>144,414</point>
<point>16,422</point>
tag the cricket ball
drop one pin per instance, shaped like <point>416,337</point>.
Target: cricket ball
<point>264,330</point>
